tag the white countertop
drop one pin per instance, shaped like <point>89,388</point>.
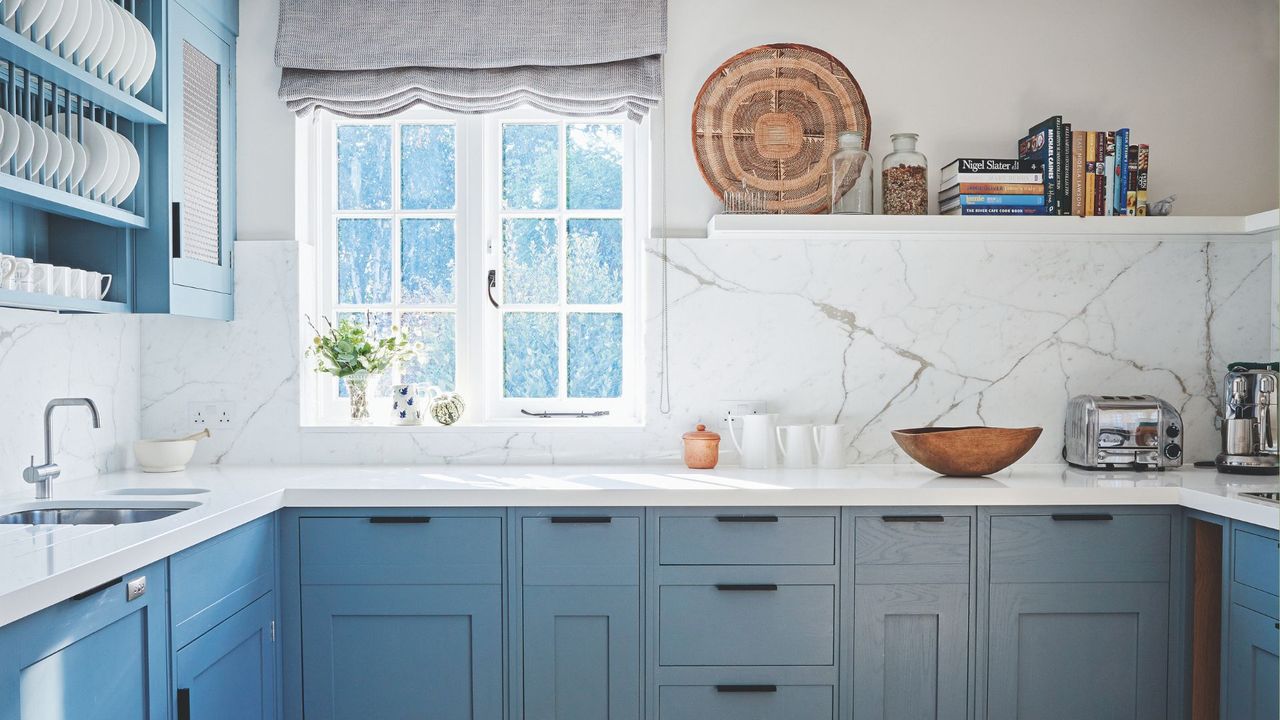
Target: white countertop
<point>43,565</point>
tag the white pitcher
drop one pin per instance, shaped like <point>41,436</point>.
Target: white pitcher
<point>796,444</point>
<point>756,448</point>
<point>830,441</point>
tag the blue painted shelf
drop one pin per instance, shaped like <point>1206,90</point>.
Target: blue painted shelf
<point>44,63</point>
<point>53,303</point>
<point>60,202</point>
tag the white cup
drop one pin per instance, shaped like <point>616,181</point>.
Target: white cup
<point>55,282</point>
<point>94,287</point>
<point>8,266</point>
<point>74,287</point>
<point>796,445</point>
<point>19,278</point>
<point>830,441</point>
<point>40,276</point>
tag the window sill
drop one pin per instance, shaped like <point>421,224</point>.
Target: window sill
<point>496,427</point>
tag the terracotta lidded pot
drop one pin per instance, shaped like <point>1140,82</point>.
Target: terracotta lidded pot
<point>701,448</point>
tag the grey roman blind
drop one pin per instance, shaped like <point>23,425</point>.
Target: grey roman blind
<point>376,57</point>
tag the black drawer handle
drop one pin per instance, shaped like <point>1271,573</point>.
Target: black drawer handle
<point>96,589</point>
<point>747,518</point>
<point>399,520</point>
<point>747,688</point>
<point>1081,517</point>
<point>913,518</point>
<point>184,704</point>
<point>747,587</point>
<point>581,520</point>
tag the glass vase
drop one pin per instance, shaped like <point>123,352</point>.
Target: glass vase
<point>358,391</point>
<point>852,177</point>
<point>906,178</point>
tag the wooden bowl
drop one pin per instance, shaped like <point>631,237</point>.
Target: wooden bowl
<point>966,451</point>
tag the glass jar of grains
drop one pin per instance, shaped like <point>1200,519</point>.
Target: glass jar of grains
<point>905,178</point>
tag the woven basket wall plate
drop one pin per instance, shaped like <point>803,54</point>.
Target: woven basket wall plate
<point>770,116</point>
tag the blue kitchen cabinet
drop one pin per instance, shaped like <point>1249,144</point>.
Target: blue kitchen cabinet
<point>96,656</point>
<point>230,671</point>
<point>579,644</point>
<point>1253,634</point>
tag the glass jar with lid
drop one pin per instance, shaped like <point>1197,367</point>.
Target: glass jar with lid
<point>852,176</point>
<point>905,181</point>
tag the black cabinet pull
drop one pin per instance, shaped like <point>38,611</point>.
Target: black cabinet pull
<point>184,704</point>
<point>747,688</point>
<point>399,520</point>
<point>95,589</point>
<point>746,518</point>
<point>747,587</point>
<point>913,518</point>
<point>581,520</point>
<point>1081,517</point>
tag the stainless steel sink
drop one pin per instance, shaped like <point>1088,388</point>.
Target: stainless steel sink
<point>87,516</point>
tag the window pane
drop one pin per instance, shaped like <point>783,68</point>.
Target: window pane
<point>380,324</point>
<point>364,261</point>
<point>427,167</point>
<point>436,364</point>
<point>530,267</point>
<point>594,261</point>
<point>530,354</point>
<point>594,162</point>
<point>364,167</point>
<point>426,261</point>
<point>595,355</point>
<point>530,167</point>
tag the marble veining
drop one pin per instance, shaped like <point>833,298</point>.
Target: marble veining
<point>876,335</point>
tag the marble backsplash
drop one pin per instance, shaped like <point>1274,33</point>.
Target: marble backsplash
<point>43,356</point>
<point>876,335</point>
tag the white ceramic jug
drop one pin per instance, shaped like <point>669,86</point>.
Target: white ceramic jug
<point>796,444</point>
<point>757,447</point>
<point>830,441</point>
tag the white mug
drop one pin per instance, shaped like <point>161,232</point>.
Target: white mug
<point>406,405</point>
<point>20,277</point>
<point>74,287</point>
<point>8,266</point>
<point>758,448</point>
<point>55,280</point>
<point>95,290</point>
<point>40,277</point>
<point>830,442</point>
<point>795,442</point>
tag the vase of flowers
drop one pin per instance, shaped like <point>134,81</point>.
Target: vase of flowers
<point>350,352</point>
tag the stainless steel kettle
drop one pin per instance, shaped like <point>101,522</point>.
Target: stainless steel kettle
<point>1248,421</point>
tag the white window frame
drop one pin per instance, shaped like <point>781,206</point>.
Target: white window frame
<point>478,215</point>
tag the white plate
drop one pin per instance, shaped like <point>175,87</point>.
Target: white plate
<point>145,76</point>
<point>66,21</point>
<point>131,49</point>
<point>79,29</point>
<point>79,165</point>
<point>122,167</point>
<point>53,157</point>
<point>134,71</point>
<point>8,138</point>
<point>132,171</point>
<point>101,156</point>
<point>119,40</point>
<point>10,9</point>
<point>68,160</point>
<point>39,151</point>
<point>26,142</point>
<point>28,11</point>
<point>101,21</point>
<point>45,21</point>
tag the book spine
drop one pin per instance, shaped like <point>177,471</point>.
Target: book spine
<point>1108,175</point>
<point>1122,169</point>
<point>1090,167</point>
<point>1131,193</point>
<point>1077,172</point>
<point>1037,146</point>
<point>1016,178</point>
<point>995,211</point>
<point>984,188</point>
<point>1099,174</point>
<point>1067,199</point>
<point>1022,200</point>
<point>991,165</point>
<point>1144,154</point>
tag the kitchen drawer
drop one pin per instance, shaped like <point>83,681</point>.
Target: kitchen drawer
<point>911,548</point>
<point>746,625</point>
<point>1254,572</point>
<point>746,537</point>
<point>1075,545</point>
<point>580,549</point>
<point>418,549</point>
<point>214,580</point>
<point>737,702</point>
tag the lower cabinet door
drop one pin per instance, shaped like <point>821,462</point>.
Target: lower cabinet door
<point>746,702</point>
<point>911,652</point>
<point>230,671</point>
<point>581,653</point>
<point>1067,651</point>
<point>402,651</point>
<point>1253,668</point>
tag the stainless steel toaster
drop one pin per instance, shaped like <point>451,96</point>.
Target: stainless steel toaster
<point>1117,431</point>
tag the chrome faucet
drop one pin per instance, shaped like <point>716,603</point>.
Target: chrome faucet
<point>42,475</point>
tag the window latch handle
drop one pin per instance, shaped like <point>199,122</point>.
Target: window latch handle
<point>491,284</point>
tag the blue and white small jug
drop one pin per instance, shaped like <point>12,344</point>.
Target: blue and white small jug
<point>406,405</point>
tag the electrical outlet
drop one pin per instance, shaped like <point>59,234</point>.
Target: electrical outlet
<point>211,415</point>
<point>732,409</point>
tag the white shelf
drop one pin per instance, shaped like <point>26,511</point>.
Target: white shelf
<point>1259,227</point>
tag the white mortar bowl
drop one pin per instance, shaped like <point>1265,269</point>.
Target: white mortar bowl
<point>160,456</point>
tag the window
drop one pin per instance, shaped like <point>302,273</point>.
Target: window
<point>506,243</point>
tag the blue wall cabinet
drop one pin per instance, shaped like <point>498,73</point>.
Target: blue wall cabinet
<point>580,588</point>
<point>98,656</point>
<point>230,671</point>
<point>185,256</point>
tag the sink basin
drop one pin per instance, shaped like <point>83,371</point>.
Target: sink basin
<point>90,515</point>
